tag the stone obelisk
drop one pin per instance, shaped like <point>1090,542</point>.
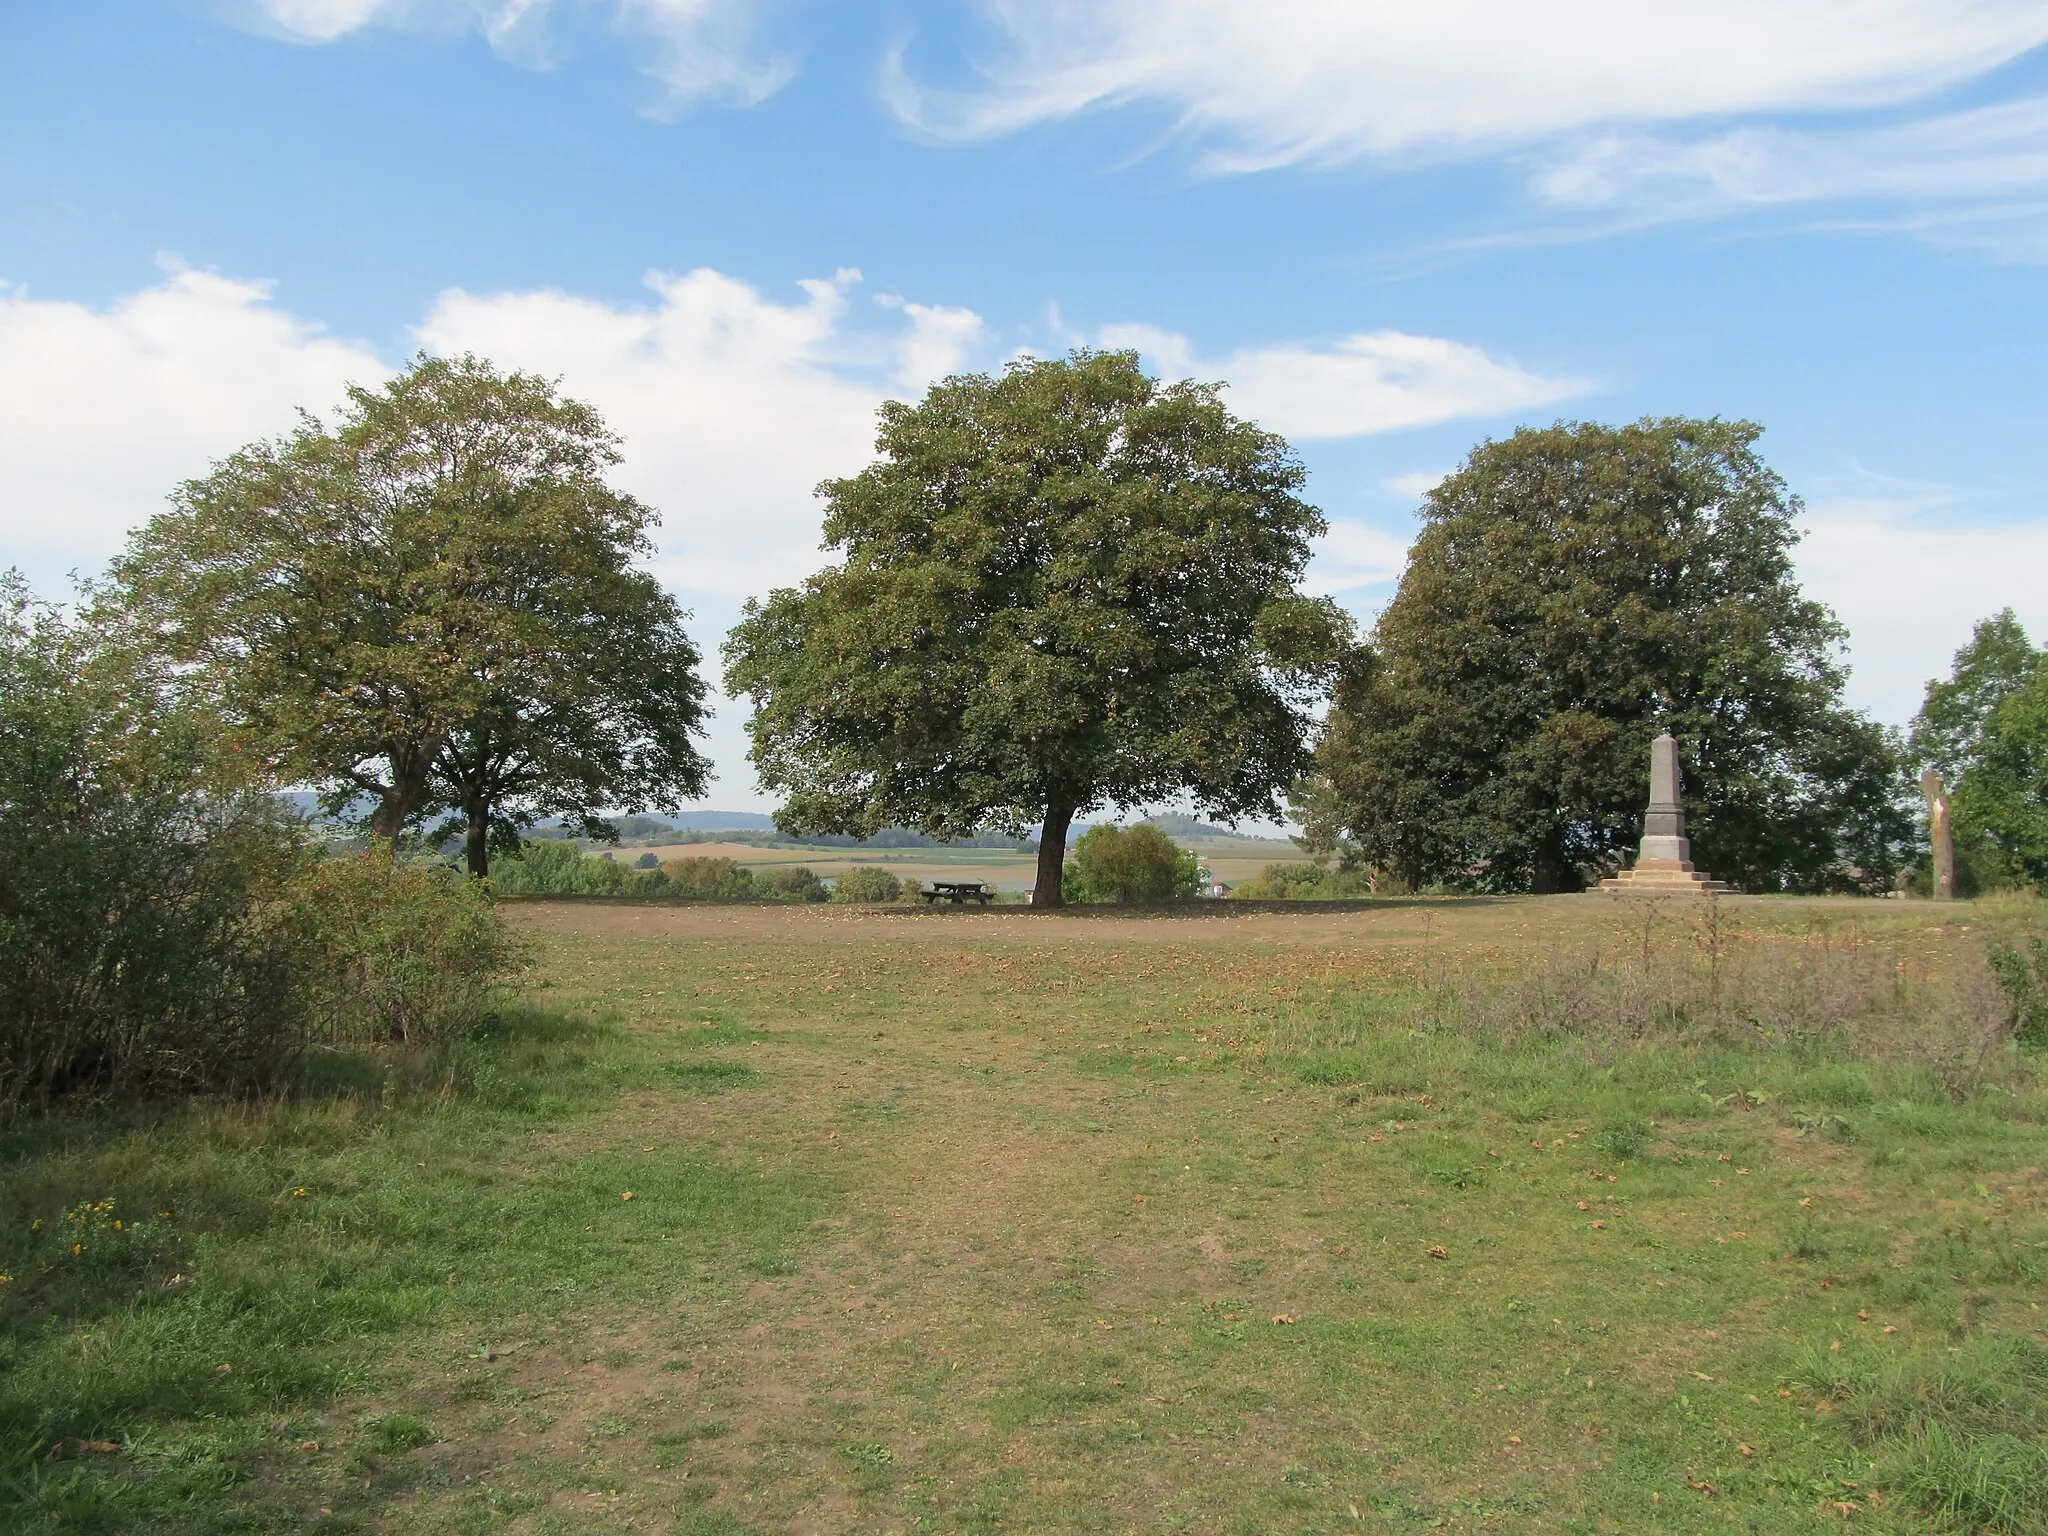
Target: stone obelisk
<point>1664,862</point>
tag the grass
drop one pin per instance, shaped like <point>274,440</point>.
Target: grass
<point>1382,1221</point>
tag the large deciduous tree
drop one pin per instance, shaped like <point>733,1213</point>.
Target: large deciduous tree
<point>1573,592</point>
<point>1064,588</point>
<point>431,607</point>
<point>1986,728</point>
<point>2004,798</point>
<point>1998,662</point>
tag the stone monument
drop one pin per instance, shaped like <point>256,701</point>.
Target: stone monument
<point>1664,863</point>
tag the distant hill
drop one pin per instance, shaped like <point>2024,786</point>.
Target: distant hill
<point>1180,824</point>
<point>721,821</point>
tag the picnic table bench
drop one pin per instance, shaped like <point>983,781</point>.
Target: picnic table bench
<point>958,892</point>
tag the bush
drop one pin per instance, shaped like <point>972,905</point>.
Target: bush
<point>708,879</point>
<point>142,944</point>
<point>408,955</point>
<point>599,875</point>
<point>162,926</point>
<point>555,866</point>
<point>1303,882</point>
<point>790,883</point>
<point>544,867</point>
<point>867,884</point>
<point>2025,987</point>
<point>1129,864</point>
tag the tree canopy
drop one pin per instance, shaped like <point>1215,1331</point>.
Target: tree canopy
<point>1574,591</point>
<point>432,607</point>
<point>1948,733</point>
<point>1986,728</point>
<point>1064,588</point>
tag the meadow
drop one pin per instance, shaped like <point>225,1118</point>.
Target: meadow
<point>1530,1214</point>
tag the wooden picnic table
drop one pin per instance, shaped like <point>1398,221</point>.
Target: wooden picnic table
<point>958,892</point>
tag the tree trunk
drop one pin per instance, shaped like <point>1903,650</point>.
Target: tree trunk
<point>1941,840</point>
<point>476,841</point>
<point>1052,854</point>
<point>1546,875</point>
<point>409,771</point>
<point>388,824</point>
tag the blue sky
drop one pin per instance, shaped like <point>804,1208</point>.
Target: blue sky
<point>736,225</point>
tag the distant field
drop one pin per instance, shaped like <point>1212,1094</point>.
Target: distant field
<point>1404,1217</point>
<point>1230,859</point>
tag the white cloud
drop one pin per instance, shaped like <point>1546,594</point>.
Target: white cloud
<point>1991,153</point>
<point>104,411</point>
<point>1353,555</point>
<point>1908,589</point>
<point>940,342</point>
<point>1376,381</point>
<point>1301,80</point>
<point>733,407</point>
<point>695,48</point>
<point>1414,486</point>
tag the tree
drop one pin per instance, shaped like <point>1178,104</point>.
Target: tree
<point>432,607</point>
<point>1132,864</point>
<point>597,711</point>
<point>1948,733</point>
<point>2003,796</point>
<point>1574,591</point>
<point>1064,588</point>
<point>1954,732</point>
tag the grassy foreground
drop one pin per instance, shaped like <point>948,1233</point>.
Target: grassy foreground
<point>1417,1216</point>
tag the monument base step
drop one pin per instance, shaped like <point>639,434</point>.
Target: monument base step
<point>1667,879</point>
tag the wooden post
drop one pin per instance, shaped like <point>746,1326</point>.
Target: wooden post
<point>1938,835</point>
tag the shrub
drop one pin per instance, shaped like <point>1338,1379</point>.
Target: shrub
<point>1129,864</point>
<point>1303,882</point>
<point>2025,987</point>
<point>598,875</point>
<point>554,866</point>
<point>708,879</point>
<point>865,883</point>
<point>408,954</point>
<point>142,947</point>
<point>545,867</point>
<point>791,883</point>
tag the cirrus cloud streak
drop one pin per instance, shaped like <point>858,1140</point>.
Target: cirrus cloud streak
<point>694,48</point>
<point>1288,81</point>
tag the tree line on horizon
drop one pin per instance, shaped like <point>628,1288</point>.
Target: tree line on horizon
<point>1063,589</point>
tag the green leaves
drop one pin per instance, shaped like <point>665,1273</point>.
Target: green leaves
<point>433,606</point>
<point>1067,587</point>
<point>1572,592</point>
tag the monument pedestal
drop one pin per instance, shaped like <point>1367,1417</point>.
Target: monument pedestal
<point>1663,865</point>
<point>1664,877</point>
